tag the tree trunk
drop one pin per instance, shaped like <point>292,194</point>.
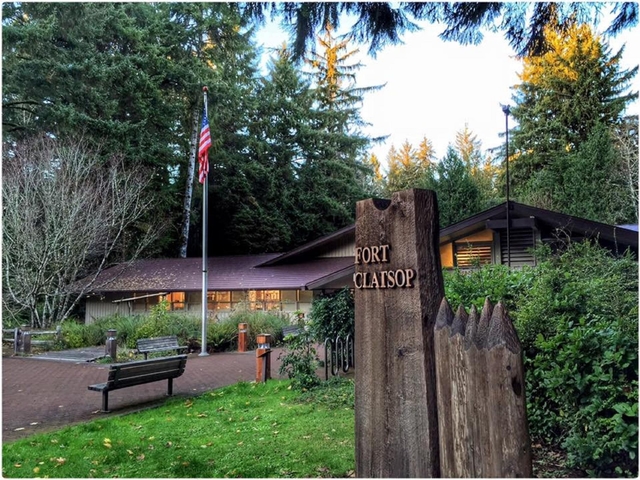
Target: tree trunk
<point>188,193</point>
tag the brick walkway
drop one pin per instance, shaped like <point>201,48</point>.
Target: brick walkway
<point>40,395</point>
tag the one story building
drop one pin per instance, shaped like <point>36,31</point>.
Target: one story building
<point>288,282</point>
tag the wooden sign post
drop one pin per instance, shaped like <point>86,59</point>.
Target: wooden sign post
<point>398,289</point>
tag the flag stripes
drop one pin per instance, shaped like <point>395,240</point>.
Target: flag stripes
<point>203,150</point>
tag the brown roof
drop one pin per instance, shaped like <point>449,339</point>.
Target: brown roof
<point>224,273</point>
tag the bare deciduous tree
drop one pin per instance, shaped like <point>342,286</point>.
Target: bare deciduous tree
<point>65,216</point>
<point>625,137</point>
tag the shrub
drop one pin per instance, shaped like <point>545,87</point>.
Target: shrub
<point>73,334</point>
<point>494,281</point>
<point>299,361</point>
<point>332,315</point>
<point>576,315</point>
<point>579,326</point>
<point>222,335</point>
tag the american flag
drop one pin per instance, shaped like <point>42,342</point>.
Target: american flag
<point>203,150</point>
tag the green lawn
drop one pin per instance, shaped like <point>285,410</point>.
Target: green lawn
<point>246,430</point>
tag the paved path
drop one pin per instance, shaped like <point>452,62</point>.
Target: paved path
<point>45,394</point>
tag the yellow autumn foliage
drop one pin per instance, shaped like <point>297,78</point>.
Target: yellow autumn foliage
<point>559,62</point>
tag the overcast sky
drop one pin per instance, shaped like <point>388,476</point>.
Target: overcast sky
<point>433,88</point>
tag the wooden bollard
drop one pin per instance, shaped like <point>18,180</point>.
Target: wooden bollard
<point>242,337</point>
<point>26,340</point>
<point>111,345</point>
<point>263,358</point>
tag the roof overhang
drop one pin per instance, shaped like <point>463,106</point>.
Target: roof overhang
<point>341,278</point>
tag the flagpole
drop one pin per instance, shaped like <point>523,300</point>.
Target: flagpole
<point>205,238</point>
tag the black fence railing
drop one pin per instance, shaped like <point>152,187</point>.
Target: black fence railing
<point>338,355</point>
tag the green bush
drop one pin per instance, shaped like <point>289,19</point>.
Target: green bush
<point>497,282</point>
<point>258,322</point>
<point>73,334</point>
<point>222,336</point>
<point>299,361</point>
<point>332,315</point>
<point>576,315</point>
<point>579,326</point>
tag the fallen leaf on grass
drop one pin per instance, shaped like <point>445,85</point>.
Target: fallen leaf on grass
<point>17,465</point>
<point>140,457</point>
<point>129,452</point>
<point>36,470</point>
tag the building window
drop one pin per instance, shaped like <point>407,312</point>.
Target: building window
<point>219,300</point>
<point>265,300</point>
<point>471,255</point>
<point>177,300</point>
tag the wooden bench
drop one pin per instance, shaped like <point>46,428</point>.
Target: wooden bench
<point>158,344</point>
<point>292,330</point>
<point>123,375</point>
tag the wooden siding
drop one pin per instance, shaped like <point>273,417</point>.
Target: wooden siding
<point>346,248</point>
<point>446,255</point>
<point>103,306</point>
<point>522,241</point>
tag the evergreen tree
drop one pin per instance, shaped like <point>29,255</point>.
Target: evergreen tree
<point>372,179</point>
<point>129,78</point>
<point>568,99</point>
<point>479,165</point>
<point>383,23</point>
<point>335,145</point>
<point>409,167</point>
<point>625,139</point>
<point>458,194</point>
<point>278,130</point>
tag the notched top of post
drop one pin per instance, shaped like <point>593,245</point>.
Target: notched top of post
<point>459,325</point>
<point>492,329</point>
<point>472,328</point>
<point>445,315</point>
<point>381,203</point>
<point>482,332</point>
<point>501,331</point>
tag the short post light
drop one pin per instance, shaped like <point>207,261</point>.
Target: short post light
<point>242,337</point>
<point>263,358</point>
<point>111,345</point>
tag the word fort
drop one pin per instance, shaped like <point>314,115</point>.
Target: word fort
<point>400,278</point>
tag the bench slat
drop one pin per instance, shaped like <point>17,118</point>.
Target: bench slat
<point>158,344</point>
<point>123,375</point>
<point>142,370</point>
<point>292,330</point>
<point>148,378</point>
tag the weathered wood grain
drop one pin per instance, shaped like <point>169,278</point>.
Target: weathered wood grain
<point>442,332</point>
<point>396,412</point>
<point>483,428</point>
